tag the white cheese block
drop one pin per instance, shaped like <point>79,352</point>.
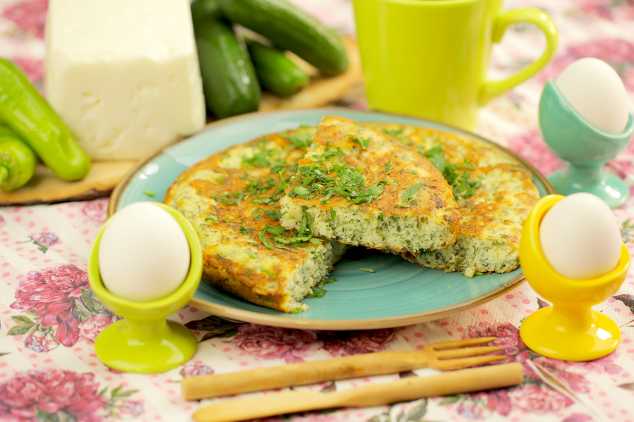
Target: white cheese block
<point>124,74</point>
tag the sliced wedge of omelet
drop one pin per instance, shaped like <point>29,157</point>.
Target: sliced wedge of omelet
<point>494,192</point>
<point>359,187</point>
<point>231,198</point>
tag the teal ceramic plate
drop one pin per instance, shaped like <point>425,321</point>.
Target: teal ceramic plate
<point>397,293</point>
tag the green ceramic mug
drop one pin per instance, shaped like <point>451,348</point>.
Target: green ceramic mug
<point>429,58</point>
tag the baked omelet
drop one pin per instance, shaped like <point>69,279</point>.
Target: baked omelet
<point>494,192</point>
<point>361,188</point>
<point>231,198</point>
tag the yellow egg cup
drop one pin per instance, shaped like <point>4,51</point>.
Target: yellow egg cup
<point>570,329</point>
<point>144,341</point>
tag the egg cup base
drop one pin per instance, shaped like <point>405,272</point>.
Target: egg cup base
<point>123,347</point>
<point>546,332</point>
<point>608,187</point>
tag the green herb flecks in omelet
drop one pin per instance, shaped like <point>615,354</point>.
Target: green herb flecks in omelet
<point>342,183</point>
<point>231,198</point>
<point>462,184</point>
<point>494,193</point>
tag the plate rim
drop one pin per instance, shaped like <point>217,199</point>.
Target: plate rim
<point>320,324</point>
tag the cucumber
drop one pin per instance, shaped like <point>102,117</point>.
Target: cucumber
<point>229,80</point>
<point>289,28</point>
<point>205,8</point>
<point>27,113</point>
<point>276,72</point>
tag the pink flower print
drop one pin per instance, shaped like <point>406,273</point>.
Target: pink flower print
<point>95,210</point>
<point>44,240</point>
<point>28,15</point>
<point>561,370</point>
<point>50,295</point>
<point>499,402</point>
<point>623,164</point>
<point>577,417</point>
<point>507,337</point>
<point>132,408</point>
<point>606,365</point>
<point>532,148</point>
<point>538,398</point>
<point>40,341</point>
<point>62,307</point>
<point>194,368</point>
<point>355,342</point>
<point>608,9</point>
<point>33,68</point>
<point>470,409</point>
<point>274,343</point>
<point>91,328</point>
<point>55,394</point>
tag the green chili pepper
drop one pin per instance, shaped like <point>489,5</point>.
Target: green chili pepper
<point>27,113</point>
<point>17,161</point>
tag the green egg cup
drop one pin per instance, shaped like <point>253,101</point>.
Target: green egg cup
<point>144,341</point>
<point>585,148</point>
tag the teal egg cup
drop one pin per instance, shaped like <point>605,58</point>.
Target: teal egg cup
<point>585,148</point>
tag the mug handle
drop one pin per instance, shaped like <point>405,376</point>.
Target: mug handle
<point>531,15</point>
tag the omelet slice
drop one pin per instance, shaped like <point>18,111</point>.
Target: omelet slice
<point>231,198</point>
<point>494,192</point>
<point>358,187</point>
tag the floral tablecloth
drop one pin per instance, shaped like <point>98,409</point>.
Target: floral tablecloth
<point>49,318</point>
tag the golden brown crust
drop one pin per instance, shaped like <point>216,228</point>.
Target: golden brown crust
<point>491,218</point>
<point>230,199</point>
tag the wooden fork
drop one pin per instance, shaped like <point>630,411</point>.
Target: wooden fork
<point>410,388</point>
<point>445,356</point>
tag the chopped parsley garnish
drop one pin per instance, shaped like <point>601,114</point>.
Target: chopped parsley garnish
<point>300,140</point>
<point>211,218</point>
<point>301,191</point>
<point>388,167</point>
<point>273,214</point>
<point>256,187</point>
<point>277,236</point>
<point>408,197</point>
<point>245,230</point>
<point>367,270</point>
<point>319,290</point>
<point>263,156</point>
<point>364,142</point>
<point>230,198</point>
<point>464,187</point>
<point>331,153</point>
<point>393,131</point>
<point>461,183</point>
<point>265,201</point>
<point>338,180</point>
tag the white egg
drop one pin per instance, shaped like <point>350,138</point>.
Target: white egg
<point>597,93</point>
<point>143,254</point>
<point>580,237</point>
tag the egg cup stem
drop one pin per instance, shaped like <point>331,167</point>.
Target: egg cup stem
<point>575,333</point>
<point>145,346</point>
<point>593,179</point>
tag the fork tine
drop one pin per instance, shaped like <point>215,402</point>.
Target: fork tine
<point>452,344</point>
<point>451,364</point>
<point>465,352</point>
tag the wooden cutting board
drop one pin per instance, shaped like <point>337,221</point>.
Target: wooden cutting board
<point>105,175</point>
